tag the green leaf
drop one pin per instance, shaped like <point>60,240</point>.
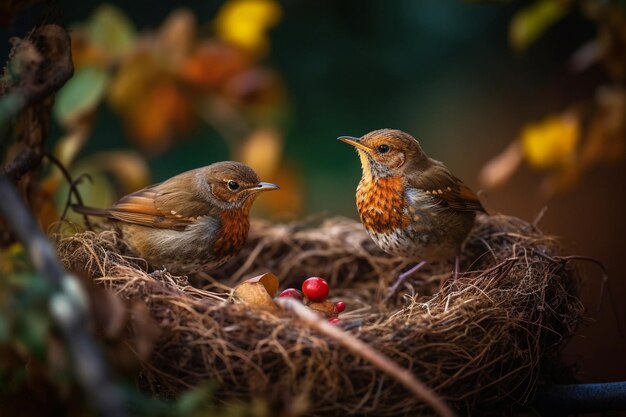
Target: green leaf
<point>531,22</point>
<point>80,95</point>
<point>111,30</point>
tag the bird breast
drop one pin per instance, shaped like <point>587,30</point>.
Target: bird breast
<point>380,202</point>
<point>400,220</point>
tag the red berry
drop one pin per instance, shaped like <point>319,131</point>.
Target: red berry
<point>333,320</point>
<point>292,293</point>
<point>315,288</point>
<point>340,306</point>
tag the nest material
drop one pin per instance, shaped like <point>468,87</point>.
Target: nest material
<point>480,342</point>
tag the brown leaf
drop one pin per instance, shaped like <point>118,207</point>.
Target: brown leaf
<point>258,291</point>
<point>326,308</point>
<point>499,169</point>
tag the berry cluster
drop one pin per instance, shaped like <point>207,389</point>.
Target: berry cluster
<point>314,293</point>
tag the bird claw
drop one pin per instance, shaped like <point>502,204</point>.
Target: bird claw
<point>401,278</point>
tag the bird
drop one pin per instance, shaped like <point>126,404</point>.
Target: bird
<point>411,205</point>
<point>192,222</point>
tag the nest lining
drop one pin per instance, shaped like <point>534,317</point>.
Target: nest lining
<point>480,341</point>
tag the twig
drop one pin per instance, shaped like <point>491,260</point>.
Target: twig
<point>73,189</point>
<point>368,353</point>
<point>68,305</point>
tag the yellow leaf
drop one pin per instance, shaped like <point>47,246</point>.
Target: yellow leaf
<point>245,23</point>
<point>551,143</point>
<point>532,21</point>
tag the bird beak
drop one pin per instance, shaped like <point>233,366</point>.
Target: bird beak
<point>264,186</point>
<point>356,142</point>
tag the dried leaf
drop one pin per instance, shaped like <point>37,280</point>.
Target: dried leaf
<point>532,21</point>
<point>500,168</point>
<point>258,291</point>
<point>211,63</point>
<point>176,36</point>
<point>326,308</point>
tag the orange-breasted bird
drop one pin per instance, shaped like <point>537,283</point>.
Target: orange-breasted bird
<point>410,204</point>
<point>192,222</point>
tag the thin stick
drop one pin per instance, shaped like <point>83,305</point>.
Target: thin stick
<point>73,184</point>
<point>368,353</point>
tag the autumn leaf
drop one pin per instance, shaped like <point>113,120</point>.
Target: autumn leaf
<point>499,169</point>
<point>176,36</point>
<point>245,23</point>
<point>152,103</point>
<point>551,143</point>
<point>262,150</point>
<point>258,291</point>
<point>211,63</point>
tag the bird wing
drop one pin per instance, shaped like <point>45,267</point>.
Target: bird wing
<point>168,205</point>
<point>446,189</point>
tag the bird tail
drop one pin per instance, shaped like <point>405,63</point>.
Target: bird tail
<point>90,211</point>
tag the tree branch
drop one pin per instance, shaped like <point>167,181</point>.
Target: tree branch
<point>68,305</point>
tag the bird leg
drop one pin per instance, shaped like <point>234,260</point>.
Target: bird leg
<point>401,278</point>
<point>457,261</point>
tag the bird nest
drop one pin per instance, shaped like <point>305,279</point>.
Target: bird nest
<point>481,342</point>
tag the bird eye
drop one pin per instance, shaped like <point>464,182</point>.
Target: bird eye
<point>383,148</point>
<point>233,185</point>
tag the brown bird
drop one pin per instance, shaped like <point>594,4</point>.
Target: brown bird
<point>411,205</point>
<point>192,222</point>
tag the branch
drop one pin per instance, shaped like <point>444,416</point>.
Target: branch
<point>38,79</point>
<point>368,353</point>
<point>68,305</point>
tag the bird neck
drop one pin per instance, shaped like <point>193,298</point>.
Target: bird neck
<point>371,169</point>
<point>380,202</point>
<point>233,233</point>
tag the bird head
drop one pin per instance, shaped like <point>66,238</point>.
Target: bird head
<point>233,184</point>
<point>386,152</point>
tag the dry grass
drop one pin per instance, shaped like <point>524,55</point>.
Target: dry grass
<point>480,342</point>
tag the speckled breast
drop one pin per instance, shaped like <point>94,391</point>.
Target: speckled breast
<point>397,222</point>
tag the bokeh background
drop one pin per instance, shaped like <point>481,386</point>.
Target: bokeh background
<point>522,100</point>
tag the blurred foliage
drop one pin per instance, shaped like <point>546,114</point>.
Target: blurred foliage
<point>164,84</point>
<point>36,378</point>
<point>589,133</point>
